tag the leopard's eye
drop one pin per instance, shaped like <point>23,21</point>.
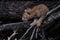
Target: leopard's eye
<point>28,13</point>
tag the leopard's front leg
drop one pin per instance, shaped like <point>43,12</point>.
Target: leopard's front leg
<point>40,21</point>
<point>34,22</point>
<point>41,28</point>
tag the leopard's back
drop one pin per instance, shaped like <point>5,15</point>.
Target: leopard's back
<point>39,10</point>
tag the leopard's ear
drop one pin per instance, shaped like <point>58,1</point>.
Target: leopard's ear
<point>27,10</point>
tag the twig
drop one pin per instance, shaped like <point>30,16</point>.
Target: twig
<point>15,38</point>
<point>36,33</point>
<point>40,35</point>
<point>53,9</point>
<point>27,30</point>
<point>13,26</point>
<point>43,35</point>
<point>32,33</point>
<point>12,35</point>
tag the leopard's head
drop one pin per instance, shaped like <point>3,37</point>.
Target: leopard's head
<point>26,15</point>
